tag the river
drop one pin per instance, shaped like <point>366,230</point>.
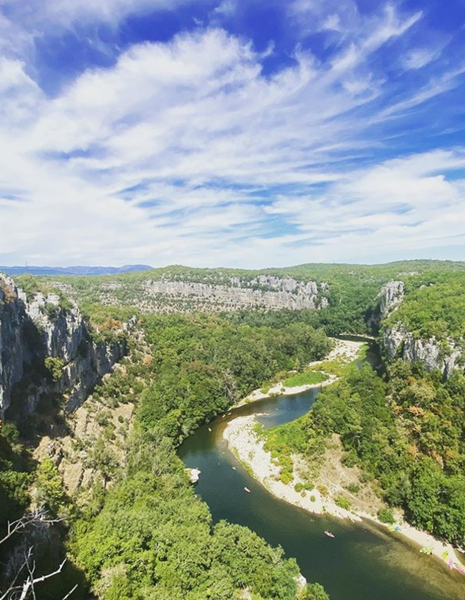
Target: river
<point>363,562</point>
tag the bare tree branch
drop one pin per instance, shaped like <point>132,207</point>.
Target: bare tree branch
<point>70,592</point>
<point>27,588</point>
<point>33,518</point>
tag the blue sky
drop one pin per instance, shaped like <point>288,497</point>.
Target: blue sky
<point>244,133</point>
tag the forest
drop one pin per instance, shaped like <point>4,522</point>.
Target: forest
<point>434,309</point>
<point>201,366</point>
<point>351,289</point>
<point>405,431</point>
<point>148,536</point>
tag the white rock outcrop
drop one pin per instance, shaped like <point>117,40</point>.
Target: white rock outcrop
<point>35,328</point>
<point>220,293</point>
<point>390,297</point>
<point>398,342</point>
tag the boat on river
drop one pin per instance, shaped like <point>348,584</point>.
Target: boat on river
<point>247,489</point>
<point>329,534</point>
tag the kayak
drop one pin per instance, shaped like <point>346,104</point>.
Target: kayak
<point>329,534</point>
<point>247,489</point>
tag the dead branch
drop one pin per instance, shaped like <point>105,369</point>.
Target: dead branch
<point>35,517</point>
<point>26,589</point>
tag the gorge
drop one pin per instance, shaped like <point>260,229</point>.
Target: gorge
<point>104,388</point>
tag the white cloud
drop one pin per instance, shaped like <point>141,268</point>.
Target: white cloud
<point>417,59</point>
<point>373,34</point>
<point>39,13</point>
<point>175,154</point>
<point>227,8</point>
<point>398,206</point>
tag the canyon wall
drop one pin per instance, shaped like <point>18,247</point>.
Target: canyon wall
<point>46,347</point>
<point>220,294</point>
<point>398,342</point>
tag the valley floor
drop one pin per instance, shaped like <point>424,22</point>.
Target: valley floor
<point>343,350</point>
<point>248,446</point>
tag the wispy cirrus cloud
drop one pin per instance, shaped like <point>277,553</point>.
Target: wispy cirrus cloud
<point>191,151</point>
<point>61,13</point>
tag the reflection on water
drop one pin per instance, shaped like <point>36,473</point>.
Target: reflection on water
<point>363,562</point>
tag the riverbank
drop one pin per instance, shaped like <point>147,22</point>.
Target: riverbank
<point>344,351</point>
<point>244,442</point>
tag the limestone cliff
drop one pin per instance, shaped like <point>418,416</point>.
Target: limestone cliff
<point>398,342</point>
<point>390,297</point>
<point>216,292</point>
<point>47,348</point>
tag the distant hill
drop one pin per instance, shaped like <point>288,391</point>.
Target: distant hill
<point>75,271</point>
<point>348,291</point>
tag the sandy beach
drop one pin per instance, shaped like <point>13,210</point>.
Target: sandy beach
<point>247,446</point>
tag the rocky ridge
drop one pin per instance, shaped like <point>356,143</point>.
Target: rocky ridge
<point>398,342</point>
<point>216,293</point>
<point>46,349</point>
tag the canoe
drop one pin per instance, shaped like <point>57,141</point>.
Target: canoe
<point>329,534</point>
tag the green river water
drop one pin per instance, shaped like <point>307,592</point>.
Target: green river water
<point>363,562</point>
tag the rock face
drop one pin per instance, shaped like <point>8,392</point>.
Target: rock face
<point>194,475</point>
<point>398,342</point>
<point>431,353</point>
<point>38,328</point>
<point>390,297</point>
<point>227,293</point>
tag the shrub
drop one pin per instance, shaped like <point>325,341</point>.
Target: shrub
<point>9,293</point>
<point>55,367</point>
<point>350,459</point>
<point>52,311</point>
<point>323,490</point>
<point>315,591</point>
<point>343,502</point>
<point>286,477</point>
<point>353,488</point>
<point>103,418</point>
<point>385,515</point>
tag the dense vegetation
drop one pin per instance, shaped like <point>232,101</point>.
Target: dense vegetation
<point>154,539</point>
<point>351,289</point>
<point>407,435</point>
<point>435,309</point>
<point>14,477</point>
<point>204,364</point>
<point>148,537</point>
<point>151,538</point>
